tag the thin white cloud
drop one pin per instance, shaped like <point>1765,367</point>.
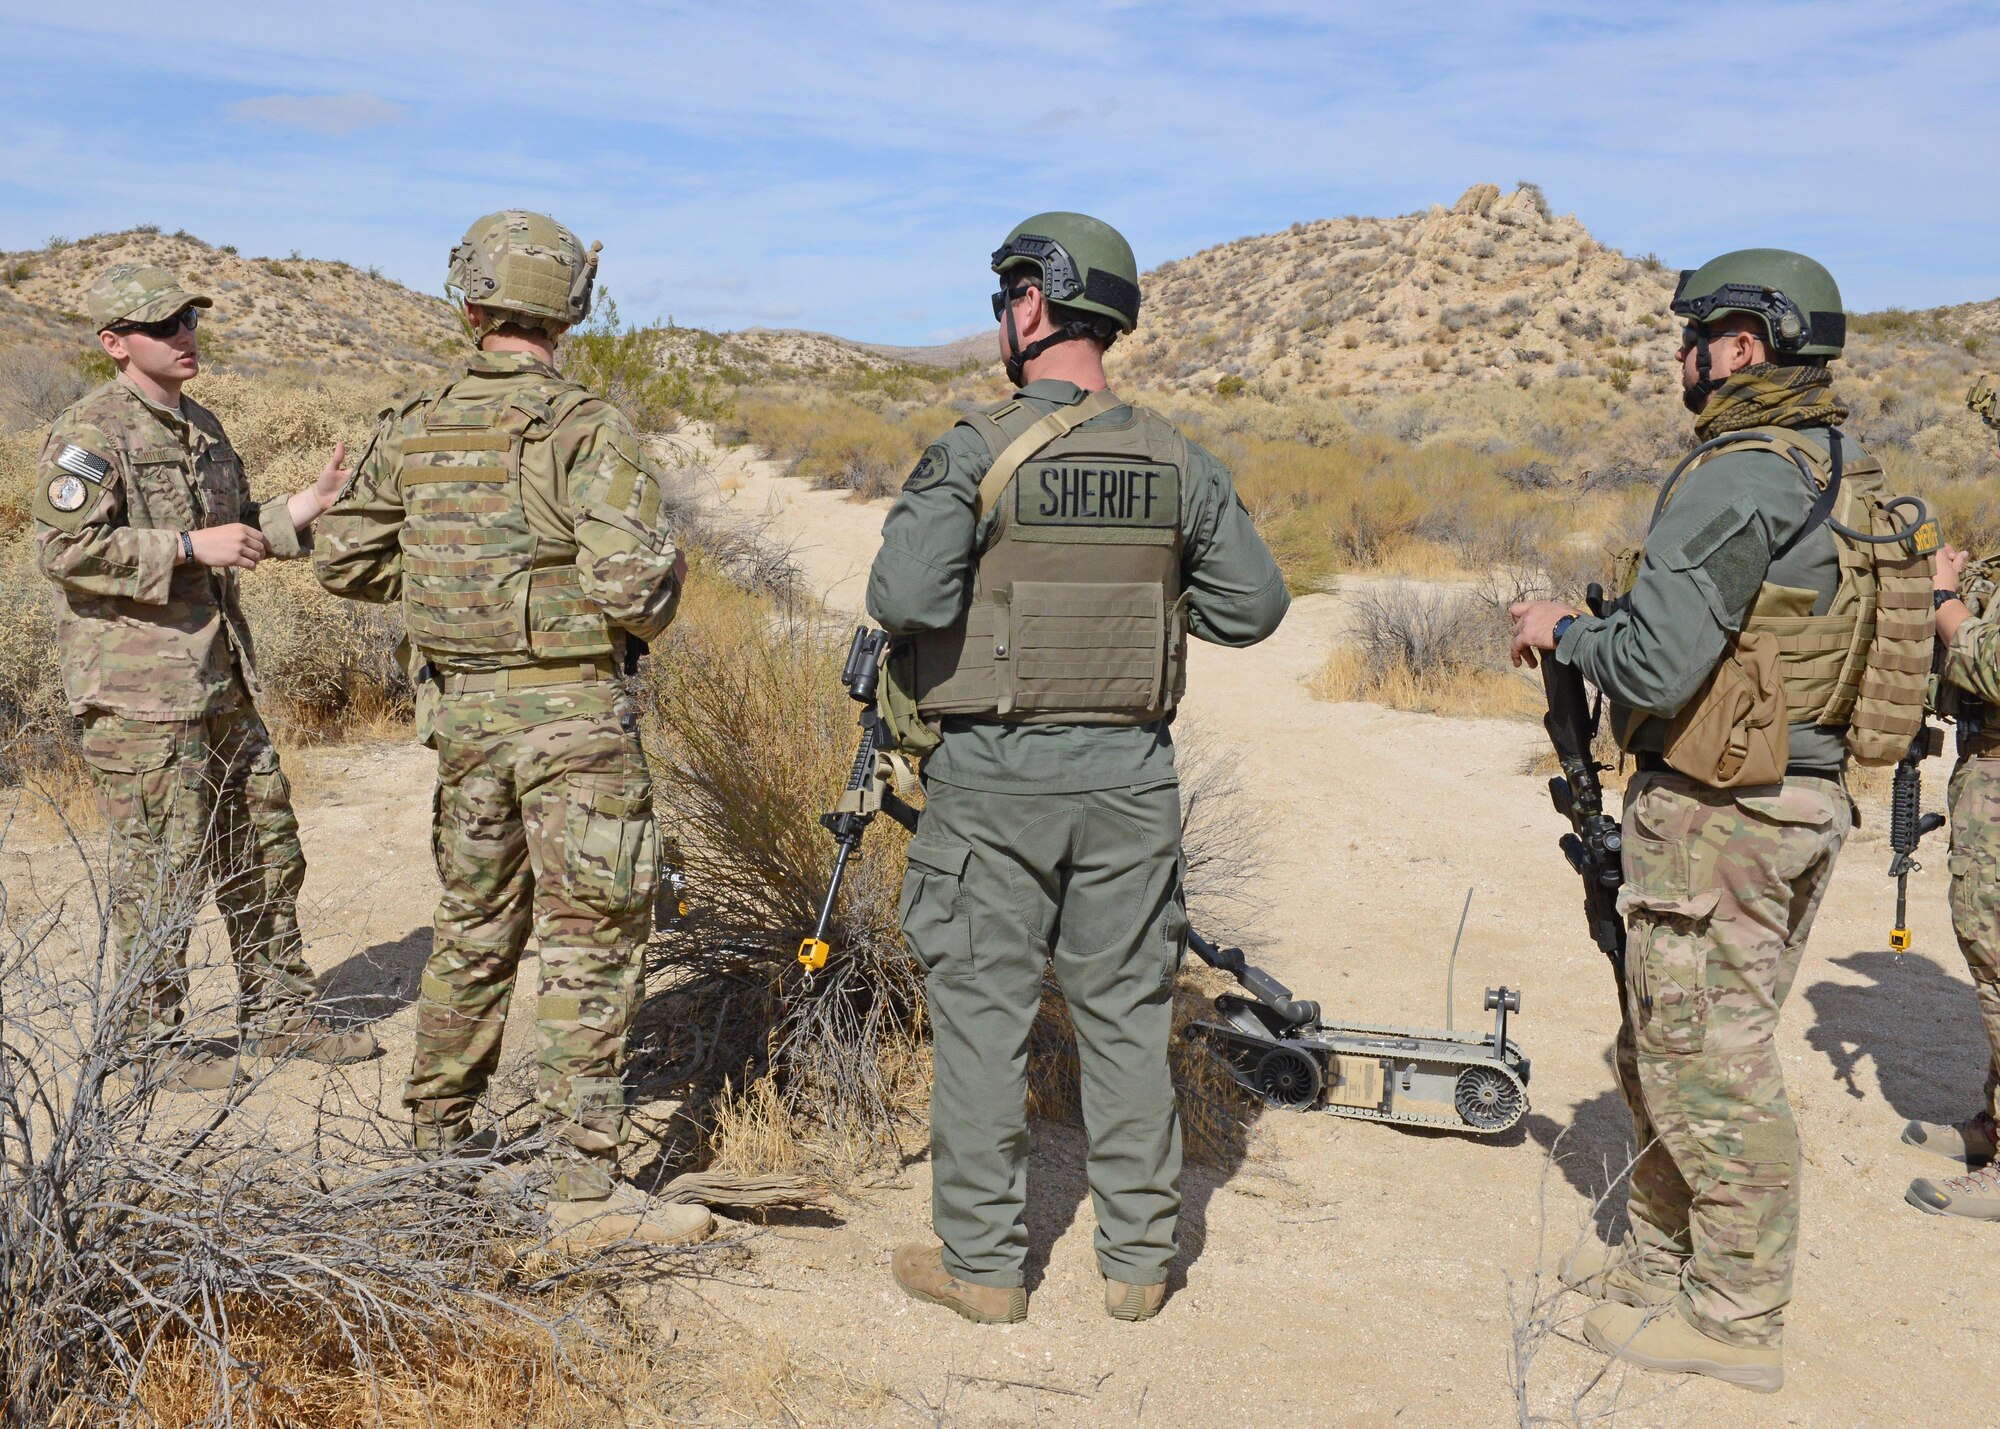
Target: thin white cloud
<point>334,114</point>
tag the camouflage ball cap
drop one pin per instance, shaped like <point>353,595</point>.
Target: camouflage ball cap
<point>527,265</point>
<point>137,293</point>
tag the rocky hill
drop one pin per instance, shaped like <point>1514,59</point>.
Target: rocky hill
<point>1493,287</point>
<point>309,313</point>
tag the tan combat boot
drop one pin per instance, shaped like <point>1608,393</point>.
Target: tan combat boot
<point>1614,1272</point>
<point>183,1073</point>
<point>1975,1196</point>
<point>1132,1302</point>
<point>311,1040</point>
<point>1975,1141</point>
<point>919,1269</point>
<point>627,1214</point>
<point>1662,1339</point>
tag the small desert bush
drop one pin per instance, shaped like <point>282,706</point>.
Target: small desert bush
<point>1416,647</point>
<point>638,373</point>
<point>838,441</point>
<point>271,1253</point>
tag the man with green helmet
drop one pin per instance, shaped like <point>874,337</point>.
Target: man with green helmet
<point>1043,567</point>
<point>512,514</point>
<point>1734,668</point>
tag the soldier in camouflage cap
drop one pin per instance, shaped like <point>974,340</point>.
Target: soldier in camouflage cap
<point>513,516</point>
<point>1970,688</point>
<point>1722,878</point>
<point>144,522</point>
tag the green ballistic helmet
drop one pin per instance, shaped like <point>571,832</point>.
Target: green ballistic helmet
<point>1795,298</point>
<point>1085,264</point>
<point>527,266</point>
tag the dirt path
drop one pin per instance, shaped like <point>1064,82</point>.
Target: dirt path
<point>1346,1274</point>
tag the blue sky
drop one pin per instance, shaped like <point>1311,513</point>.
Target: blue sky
<point>848,166</point>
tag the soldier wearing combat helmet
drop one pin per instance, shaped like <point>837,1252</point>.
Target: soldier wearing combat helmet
<point>512,515</point>
<point>144,522</point>
<point>1043,567</point>
<point>1734,669</point>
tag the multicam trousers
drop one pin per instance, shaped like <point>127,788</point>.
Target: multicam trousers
<point>195,806</point>
<point>1721,887</point>
<point>547,824</point>
<point>1975,893</point>
<point>998,886</point>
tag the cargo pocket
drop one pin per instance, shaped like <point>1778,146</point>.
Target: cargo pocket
<point>1975,911</point>
<point>1174,926</point>
<point>936,926</point>
<point>122,746</point>
<point>1667,972</point>
<point>611,849</point>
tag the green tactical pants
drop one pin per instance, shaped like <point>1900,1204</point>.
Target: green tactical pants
<point>195,806</point>
<point>550,826</point>
<point>1721,888</point>
<point>999,884</point>
<point>1975,894</point>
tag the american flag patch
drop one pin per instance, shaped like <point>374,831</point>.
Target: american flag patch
<point>87,465</point>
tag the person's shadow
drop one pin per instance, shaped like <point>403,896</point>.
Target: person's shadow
<point>1917,1023</point>
<point>376,983</point>
<point>1594,1152</point>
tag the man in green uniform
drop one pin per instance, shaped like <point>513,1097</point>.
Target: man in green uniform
<point>143,520</point>
<point>512,515</point>
<point>1972,673</point>
<point>1722,878</point>
<point>1044,565</point>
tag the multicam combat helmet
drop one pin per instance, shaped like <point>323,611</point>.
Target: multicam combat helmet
<point>526,266</point>
<point>1087,272</point>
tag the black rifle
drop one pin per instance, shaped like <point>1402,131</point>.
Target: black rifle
<point>1593,846</point>
<point>863,797</point>
<point>1908,823</point>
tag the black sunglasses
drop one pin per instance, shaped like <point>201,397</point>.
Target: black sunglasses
<point>1006,297</point>
<point>188,317</point>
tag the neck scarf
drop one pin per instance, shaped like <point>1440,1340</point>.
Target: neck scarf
<point>1771,394</point>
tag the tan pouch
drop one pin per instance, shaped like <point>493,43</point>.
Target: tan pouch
<point>896,703</point>
<point>1733,731</point>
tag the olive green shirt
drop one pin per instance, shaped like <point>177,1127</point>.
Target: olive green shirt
<point>1697,582</point>
<point>922,579</point>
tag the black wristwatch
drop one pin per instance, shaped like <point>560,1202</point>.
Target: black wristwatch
<point>1941,598</point>
<point>187,548</point>
<point>1562,625</point>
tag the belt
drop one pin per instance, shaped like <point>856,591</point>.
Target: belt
<point>1654,764</point>
<point>520,677</point>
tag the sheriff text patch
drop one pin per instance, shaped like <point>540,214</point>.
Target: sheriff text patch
<point>1104,492</point>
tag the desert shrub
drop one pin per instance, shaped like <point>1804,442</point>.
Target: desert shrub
<point>255,1257</point>
<point>639,374</point>
<point>751,736</point>
<point>1416,647</point>
<point>36,383</point>
<point>837,441</point>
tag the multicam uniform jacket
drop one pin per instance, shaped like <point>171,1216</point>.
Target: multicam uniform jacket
<point>144,635</point>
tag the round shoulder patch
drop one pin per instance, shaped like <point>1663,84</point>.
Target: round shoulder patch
<point>931,468</point>
<point>67,493</point>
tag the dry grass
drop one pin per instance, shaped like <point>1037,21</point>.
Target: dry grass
<point>841,441</point>
<point>1437,650</point>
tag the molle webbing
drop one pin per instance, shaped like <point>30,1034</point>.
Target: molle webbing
<point>1865,663</point>
<point>1076,615</point>
<point>489,567</point>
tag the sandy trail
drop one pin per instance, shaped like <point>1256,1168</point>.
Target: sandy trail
<point>1345,1274</point>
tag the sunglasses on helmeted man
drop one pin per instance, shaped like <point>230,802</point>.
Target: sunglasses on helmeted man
<point>188,317</point>
<point>1008,296</point>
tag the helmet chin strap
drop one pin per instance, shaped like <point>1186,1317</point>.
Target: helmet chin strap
<point>1695,398</point>
<point>1018,357</point>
